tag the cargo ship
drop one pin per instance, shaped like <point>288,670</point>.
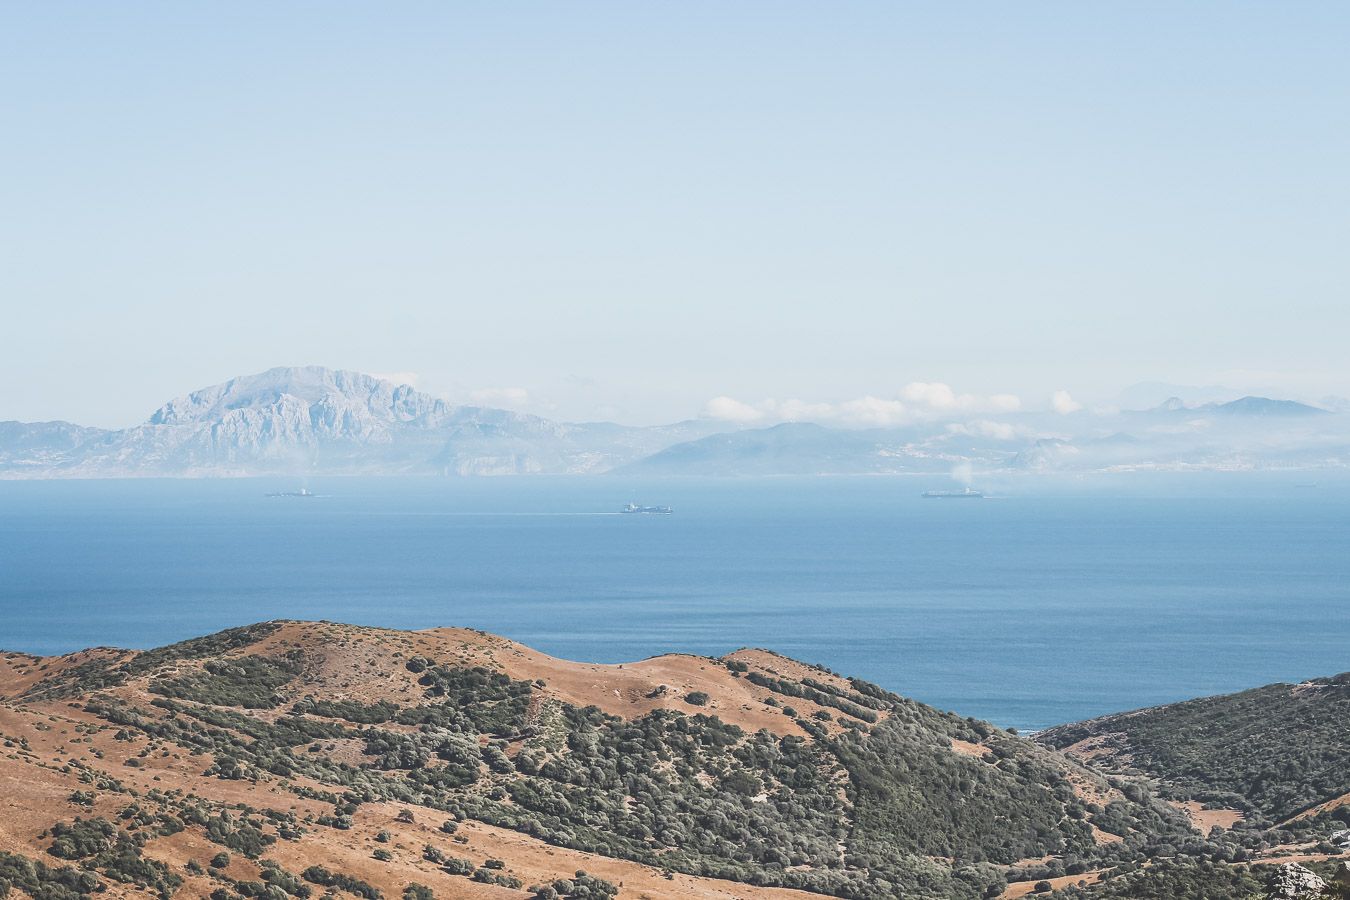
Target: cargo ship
<point>634,509</point>
<point>965,494</point>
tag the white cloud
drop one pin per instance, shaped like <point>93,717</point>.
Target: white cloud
<point>938,397</point>
<point>802,411</point>
<point>729,409</point>
<point>934,395</point>
<point>1063,403</point>
<point>917,401</point>
<point>873,411</point>
<point>503,397</point>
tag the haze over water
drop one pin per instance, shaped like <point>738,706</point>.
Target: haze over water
<point>1052,603</point>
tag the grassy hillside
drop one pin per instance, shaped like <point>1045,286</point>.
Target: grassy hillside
<point>1273,752</point>
<point>293,759</point>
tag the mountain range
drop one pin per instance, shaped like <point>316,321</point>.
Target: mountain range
<point>313,420</point>
<point>288,759</point>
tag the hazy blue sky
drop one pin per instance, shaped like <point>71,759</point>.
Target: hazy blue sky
<point>625,210</point>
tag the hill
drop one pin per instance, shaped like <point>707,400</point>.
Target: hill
<point>805,448</point>
<point>1263,406</point>
<point>312,755</point>
<point>312,420</point>
<point>38,445</point>
<point>792,448</point>
<point>1275,754</point>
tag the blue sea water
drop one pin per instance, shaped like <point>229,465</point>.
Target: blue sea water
<point>1054,602</point>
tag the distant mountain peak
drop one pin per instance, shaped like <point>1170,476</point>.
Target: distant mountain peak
<point>307,385</point>
<point>1264,406</point>
<point>1243,406</point>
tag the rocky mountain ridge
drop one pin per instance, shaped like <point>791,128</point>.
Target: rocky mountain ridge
<point>300,421</point>
<point>312,420</point>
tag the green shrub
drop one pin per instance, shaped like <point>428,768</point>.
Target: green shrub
<point>248,681</point>
<point>42,882</point>
<point>325,878</point>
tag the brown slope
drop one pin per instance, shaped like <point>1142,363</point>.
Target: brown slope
<point>367,664</point>
<point>38,784</point>
<point>54,747</point>
<point>60,744</point>
<point>20,672</point>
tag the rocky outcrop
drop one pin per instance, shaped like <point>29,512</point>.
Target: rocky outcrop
<point>1293,882</point>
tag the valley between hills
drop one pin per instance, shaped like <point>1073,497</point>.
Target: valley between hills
<point>300,759</point>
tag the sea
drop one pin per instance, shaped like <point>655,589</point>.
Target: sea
<point>1052,600</point>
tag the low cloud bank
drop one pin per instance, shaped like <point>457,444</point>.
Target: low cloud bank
<point>918,401</point>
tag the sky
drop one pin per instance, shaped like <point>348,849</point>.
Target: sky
<point>647,211</point>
